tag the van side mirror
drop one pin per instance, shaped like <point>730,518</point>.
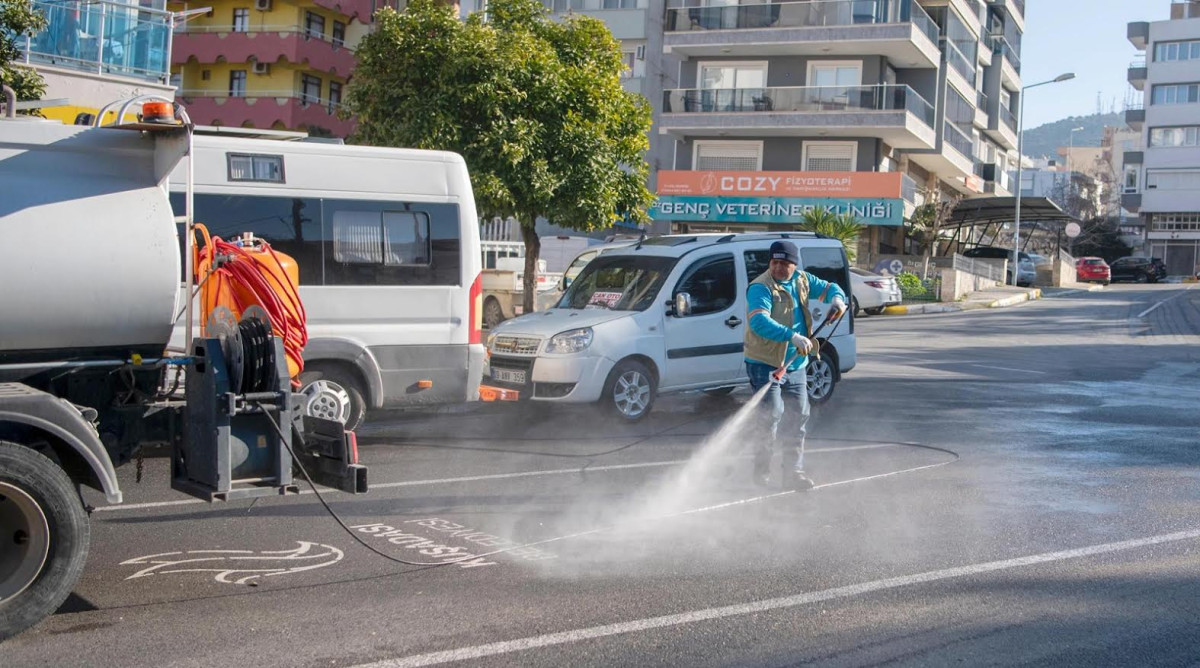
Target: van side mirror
<point>683,305</point>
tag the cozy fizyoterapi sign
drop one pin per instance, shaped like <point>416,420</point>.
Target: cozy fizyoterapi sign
<point>787,210</point>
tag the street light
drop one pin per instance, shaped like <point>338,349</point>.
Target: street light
<point>1020,154</point>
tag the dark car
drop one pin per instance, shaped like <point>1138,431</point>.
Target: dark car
<point>1026,272</point>
<point>1138,270</point>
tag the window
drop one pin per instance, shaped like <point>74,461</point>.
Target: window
<point>237,83</point>
<point>830,156</point>
<point>335,96</point>
<point>733,156</point>
<point>827,264</point>
<point>1168,51</point>
<point>205,75</point>
<point>1174,137</point>
<point>627,59</point>
<point>241,20</point>
<point>310,88</point>
<point>618,283</point>
<point>1173,179</point>
<point>314,25</point>
<point>1131,179</point>
<point>247,167</point>
<point>711,283</point>
<point>1175,222</point>
<point>1175,94</point>
<point>391,243</point>
<point>835,74</point>
<point>732,75</point>
<point>339,33</point>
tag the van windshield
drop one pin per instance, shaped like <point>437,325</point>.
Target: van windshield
<point>620,283</point>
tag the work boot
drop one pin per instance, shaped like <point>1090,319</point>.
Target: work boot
<point>796,481</point>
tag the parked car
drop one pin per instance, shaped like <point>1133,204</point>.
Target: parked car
<point>873,292</point>
<point>1139,269</point>
<point>1026,269</point>
<point>1092,270</point>
<point>664,315</point>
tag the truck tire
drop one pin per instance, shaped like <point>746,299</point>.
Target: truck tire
<point>44,534</point>
<point>333,392</point>
<point>493,315</point>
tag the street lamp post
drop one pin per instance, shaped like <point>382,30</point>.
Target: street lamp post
<point>1020,154</point>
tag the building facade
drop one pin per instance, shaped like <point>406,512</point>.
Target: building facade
<point>1162,184</point>
<point>95,53</point>
<point>270,64</point>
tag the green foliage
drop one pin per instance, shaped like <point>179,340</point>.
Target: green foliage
<point>19,18</point>
<point>911,285</point>
<point>1099,238</point>
<point>843,227</point>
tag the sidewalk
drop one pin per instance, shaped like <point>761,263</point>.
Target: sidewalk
<point>997,297</point>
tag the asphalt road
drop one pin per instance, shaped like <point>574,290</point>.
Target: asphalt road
<point>1061,528</point>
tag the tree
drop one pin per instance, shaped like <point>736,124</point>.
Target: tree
<point>843,227</point>
<point>1100,237</point>
<point>928,220</point>
<point>17,19</point>
<point>534,106</point>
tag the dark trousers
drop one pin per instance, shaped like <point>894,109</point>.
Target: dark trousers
<point>784,421</point>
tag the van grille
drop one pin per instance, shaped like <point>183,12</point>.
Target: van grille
<point>516,345</point>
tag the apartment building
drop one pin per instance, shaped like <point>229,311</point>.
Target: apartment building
<point>270,64</point>
<point>865,106</point>
<point>1162,181</point>
<point>94,53</point>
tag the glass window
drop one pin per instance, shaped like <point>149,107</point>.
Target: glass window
<point>743,156</point>
<point>247,167</point>
<point>732,75</point>
<point>391,243</point>
<point>314,25</point>
<point>835,74</point>
<point>310,88</point>
<point>711,283</point>
<point>335,96</point>
<point>339,33</point>
<point>619,283</point>
<point>627,59</point>
<point>237,83</point>
<point>241,20</point>
<point>827,264</point>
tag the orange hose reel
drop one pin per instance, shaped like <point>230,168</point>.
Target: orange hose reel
<point>247,273</point>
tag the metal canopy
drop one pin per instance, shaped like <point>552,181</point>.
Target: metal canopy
<point>989,210</point>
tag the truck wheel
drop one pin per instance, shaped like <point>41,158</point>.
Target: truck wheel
<point>333,393</point>
<point>493,315</point>
<point>629,391</point>
<point>822,375</point>
<point>44,535</point>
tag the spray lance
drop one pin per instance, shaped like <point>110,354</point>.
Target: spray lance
<point>778,374</point>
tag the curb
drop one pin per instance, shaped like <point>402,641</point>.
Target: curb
<point>1016,299</point>
<point>917,309</point>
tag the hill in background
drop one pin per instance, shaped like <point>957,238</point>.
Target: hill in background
<point>1044,140</point>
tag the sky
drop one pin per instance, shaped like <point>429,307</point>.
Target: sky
<point>1086,37</point>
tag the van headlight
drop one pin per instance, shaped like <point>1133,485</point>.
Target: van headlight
<point>573,341</point>
<point>491,338</point>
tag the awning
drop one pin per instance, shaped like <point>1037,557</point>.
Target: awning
<point>989,210</point>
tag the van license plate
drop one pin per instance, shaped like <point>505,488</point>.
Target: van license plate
<point>508,376</point>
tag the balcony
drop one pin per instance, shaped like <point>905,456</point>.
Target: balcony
<point>1002,127</point>
<point>1010,61</point>
<point>290,109</point>
<point>1138,34</point>
<point>1014,8</point>
<point>996,179</point>
<point>896,114</point>
<point>626,19</point>
<point>898,29</point>
<point>264,44</point>
<point>1137,74</point>
<point>953,162</point>
<point>1131,202</point>
<point>961,67</point>
<point>103,38</point>
<point>1135,117</point>
<point>360,10</point>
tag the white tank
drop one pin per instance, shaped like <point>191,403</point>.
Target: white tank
<point>89,260</point>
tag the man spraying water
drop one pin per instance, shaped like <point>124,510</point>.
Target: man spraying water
<point>777,346</point>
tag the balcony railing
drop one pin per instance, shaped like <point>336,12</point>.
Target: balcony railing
<point>981,100</point>
<point>282,29</point>
<point>564,6</point>
<point>709,15</point>
<point>1001,45</point>
<point>282,93</point>
<point>807,99</point>
<point>1007,117</point>
<point>910,192</point>
<point>960,63</point>
<point>102,37</point>
<point>958,141</point>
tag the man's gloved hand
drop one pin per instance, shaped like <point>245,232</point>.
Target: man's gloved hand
<point>837,310</point>
<point>802,343</point>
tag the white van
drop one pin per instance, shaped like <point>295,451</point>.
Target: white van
<point>664,315</point>
<point>387,243</point>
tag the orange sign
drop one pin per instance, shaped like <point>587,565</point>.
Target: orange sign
<point>780,184</point>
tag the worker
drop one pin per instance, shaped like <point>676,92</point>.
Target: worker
<point>777,346</point>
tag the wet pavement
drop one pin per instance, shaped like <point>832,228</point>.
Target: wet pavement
<point>1001,486</point>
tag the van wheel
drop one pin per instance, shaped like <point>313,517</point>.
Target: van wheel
<point>877,310</point>
<point>333,393</point>
<point>629,391</point>
<point>44,536</point>
<point>854,300</point>
<point>493,315</point>
<point>822,375</point>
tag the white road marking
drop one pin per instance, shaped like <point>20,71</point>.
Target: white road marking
<point>241,565</point>
<point>1160,302</point>
<point>1004,368</point>
<point>477,478</point>
<point>665,621</point>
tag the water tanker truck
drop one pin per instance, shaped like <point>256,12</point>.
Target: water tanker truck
<point>90,290</point>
